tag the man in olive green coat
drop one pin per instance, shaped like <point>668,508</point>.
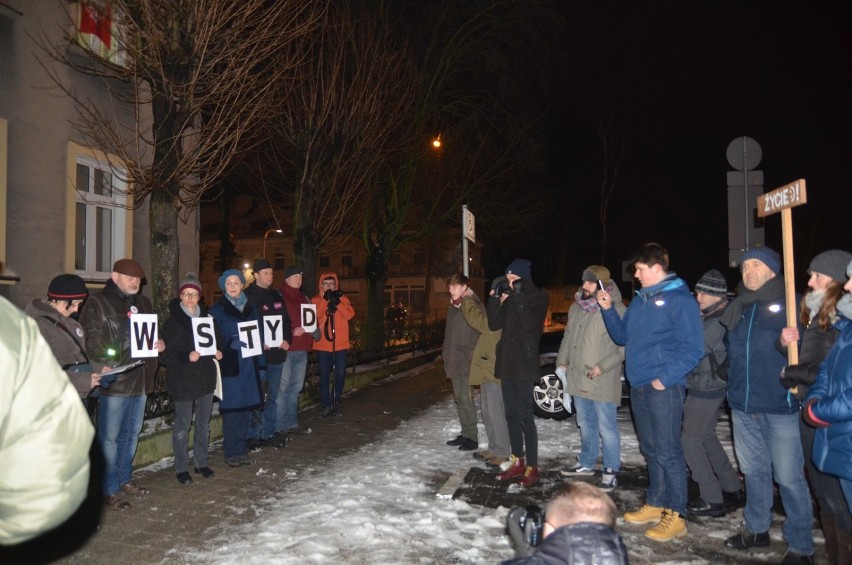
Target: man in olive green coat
<point>482,374</point>
<point>593,365</point>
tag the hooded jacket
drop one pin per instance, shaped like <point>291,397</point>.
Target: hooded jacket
<point>185,380</point>
<point>106,320</point>
<point>342,315</point>
<point>521,318</point>
<point>66,339</point>
<point>705,378</point>
<point>586,343</point>
<point>459,341</point>
<point>661,332</point>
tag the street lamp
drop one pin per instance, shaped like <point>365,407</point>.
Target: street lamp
<point>436,143</point>
<point>265,235</point>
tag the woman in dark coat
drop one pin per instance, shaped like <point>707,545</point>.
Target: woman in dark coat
<point>190,380</point>
<point>241,370</point>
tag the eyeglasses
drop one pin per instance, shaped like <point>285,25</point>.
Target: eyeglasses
<point>328,283</point>
<point>189,294</point>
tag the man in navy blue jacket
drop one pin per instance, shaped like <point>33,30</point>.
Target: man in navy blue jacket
<point>664,341</point>
<point>764,413</point>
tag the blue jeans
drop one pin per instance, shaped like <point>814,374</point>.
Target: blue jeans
<point>768,445</point>
<point>657,415</point>
<point>119,423</point>
<point>180,432</point>
<point>324,366</point>
<point>263,421</point>
<point>598,425</point>
<point>234,429</point>
<point>292,381</point>
<point>846,485</point>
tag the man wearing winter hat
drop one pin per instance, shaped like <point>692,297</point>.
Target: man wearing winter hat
<point>708,463</point>
<point>106,320</point>
<point>592,362</point>
<point>661,332</point>
<point>519,312</point>
<point>268,301</point>
<point>293,373</point>
<point>765,416</point>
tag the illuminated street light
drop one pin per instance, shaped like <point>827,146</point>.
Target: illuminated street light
<point>265,235</point>
<point>436,143</point>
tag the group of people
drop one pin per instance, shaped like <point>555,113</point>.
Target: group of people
<point>496,347</point>
<point>257,385</point>
<point>684,356</point>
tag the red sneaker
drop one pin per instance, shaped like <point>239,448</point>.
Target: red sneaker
<point>515,469</point>
<point>530,477</point>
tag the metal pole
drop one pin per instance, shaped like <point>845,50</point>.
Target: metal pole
<point>465,260</point>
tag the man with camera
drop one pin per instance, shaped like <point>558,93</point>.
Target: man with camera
<point>519,309</point>
<point>334,310</point>
<point>577,529</point>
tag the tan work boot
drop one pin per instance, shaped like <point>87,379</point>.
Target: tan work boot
<point>672,525</point>
<point>646,515</point>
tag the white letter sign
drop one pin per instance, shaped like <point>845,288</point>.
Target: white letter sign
<point>309,317</point>
<point>273,330</point>
<point>143,335</point>
<point>204,336</point>
<point>249,335</point>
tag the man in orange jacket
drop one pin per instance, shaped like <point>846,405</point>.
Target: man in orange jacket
<point>334,310</point>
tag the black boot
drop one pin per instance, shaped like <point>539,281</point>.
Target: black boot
<point>746,539</point>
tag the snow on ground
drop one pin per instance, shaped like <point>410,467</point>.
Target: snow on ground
<point>380,505</point>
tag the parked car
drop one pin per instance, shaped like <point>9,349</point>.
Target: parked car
<point>550,392</point>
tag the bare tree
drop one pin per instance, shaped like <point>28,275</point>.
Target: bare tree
<point>339,124</point>
<point>613,136</point>
<point>202,76</point>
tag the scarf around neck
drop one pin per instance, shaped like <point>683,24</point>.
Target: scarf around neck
<point>773,289</point>
<point>239,302</point>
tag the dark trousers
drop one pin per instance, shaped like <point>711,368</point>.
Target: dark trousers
<point>518,402</point>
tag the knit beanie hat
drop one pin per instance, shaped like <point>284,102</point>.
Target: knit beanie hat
<point>765,255</point>
<point>831,263</point>
<point>292,270</point>
<point>229,273</point>
<point>190,281</point>
<point>129,267</point>
<point>520,267</point>
<point>260,265</point>
<point>713,283</point>
<point>67,287</point>
<point>595,273</point>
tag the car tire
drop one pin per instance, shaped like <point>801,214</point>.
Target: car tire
<point>548,394</point>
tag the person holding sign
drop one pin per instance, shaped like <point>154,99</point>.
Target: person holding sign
<point>191,377</point>
<point>765,415</point>
<point>293,375</point>
<point>334,310</point>
<point>819,315</point>
<point>242,365</point>
<point>111,336</point>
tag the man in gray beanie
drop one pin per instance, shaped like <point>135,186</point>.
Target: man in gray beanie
<point>708,463</point>
<point>765,417</point>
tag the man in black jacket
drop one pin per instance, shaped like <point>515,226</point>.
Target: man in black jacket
<point>519,311</point>
<point>578,529</point>
<point>106,321</point>
<point>269,301</point>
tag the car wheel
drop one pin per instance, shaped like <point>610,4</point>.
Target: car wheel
<point>548,394</point>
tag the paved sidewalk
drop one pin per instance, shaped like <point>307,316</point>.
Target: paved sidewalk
<point>175,517</point>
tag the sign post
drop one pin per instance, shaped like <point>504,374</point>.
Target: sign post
<point>468,234</point>
<point>782,200</point>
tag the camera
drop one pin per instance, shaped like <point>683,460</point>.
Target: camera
<point>332,295</point>
<point>525,525</point>
<point>501,288</point>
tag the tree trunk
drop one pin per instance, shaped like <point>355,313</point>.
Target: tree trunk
<point>305,250</point>
<point>373,333</point>
<point>163,277</point>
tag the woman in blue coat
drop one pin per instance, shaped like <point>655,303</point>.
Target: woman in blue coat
<point>241,371</point>
<point>828,407</point>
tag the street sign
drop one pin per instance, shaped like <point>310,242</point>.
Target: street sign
<point>469,224</point>
<point>745,229</point>
<point>782,200</point>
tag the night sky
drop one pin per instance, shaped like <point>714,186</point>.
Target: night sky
<point>683,79</point>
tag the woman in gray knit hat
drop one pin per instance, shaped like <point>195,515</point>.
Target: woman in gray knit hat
<point>818,315</point>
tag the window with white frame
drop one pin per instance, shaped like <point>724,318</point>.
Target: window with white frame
<point>100,218</point>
